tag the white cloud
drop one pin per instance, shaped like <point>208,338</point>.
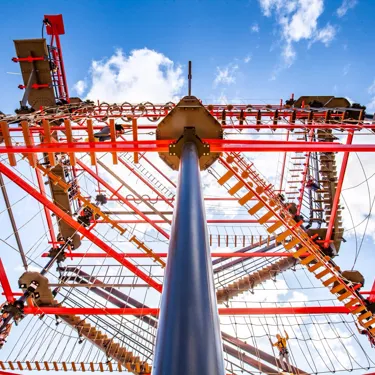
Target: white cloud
<point>226,75</point>
<point>345,6</point>
<point>325,35</point>
<point>80,87</point>
<point>346,69</point>
<point>371,105</point>
<point>142,75</point>
<point>255,28</point>
<point>247,59</point>
<point>298,20</point>
<point>371,90</point>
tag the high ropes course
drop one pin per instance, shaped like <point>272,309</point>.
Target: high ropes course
<point>144,238</point>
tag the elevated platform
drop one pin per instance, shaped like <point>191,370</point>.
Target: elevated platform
<point>36,48</point>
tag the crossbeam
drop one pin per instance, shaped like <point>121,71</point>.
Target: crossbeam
<point>302,310</point>
<point>216,145</point>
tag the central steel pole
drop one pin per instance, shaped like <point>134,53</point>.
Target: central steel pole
<point>188,339</point>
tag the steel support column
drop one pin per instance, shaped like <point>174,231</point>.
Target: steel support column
<point>188,338</point>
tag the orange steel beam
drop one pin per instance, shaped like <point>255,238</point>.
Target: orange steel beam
<point>69,220</point>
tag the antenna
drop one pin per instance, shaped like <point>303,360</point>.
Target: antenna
<point>189,78</point>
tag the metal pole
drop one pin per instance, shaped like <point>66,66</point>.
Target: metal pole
<point>13,222</point>
<point>188,339</point>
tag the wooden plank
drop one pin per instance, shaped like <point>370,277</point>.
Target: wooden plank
<point>223,179</point>
<point>233,190</point>
<point>135,138</point>
<point>90,132</point>
<point>28,142</point>
<point>246,198</point>
<point>8,142</point>
<point>48,139</point>
<point>112,129</point>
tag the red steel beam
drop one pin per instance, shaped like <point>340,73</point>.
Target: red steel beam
<point>69,220</point>
<point>283,165</point>
<point>285,126</point>
<point>209,221</point>
<point>164,255</point>
<point>5,284</point>
<point>371,298</point>
<point>336,199</point>
<point>46,210</point>
<point>122,198</point>
<point>155,311</point>
<point>221,145</point>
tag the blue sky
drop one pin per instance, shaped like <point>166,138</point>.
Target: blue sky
<point>214,35</point>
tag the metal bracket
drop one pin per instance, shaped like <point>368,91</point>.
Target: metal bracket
<point>28,89</point>
<point>175,149</point>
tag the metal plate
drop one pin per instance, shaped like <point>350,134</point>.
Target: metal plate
<point>189,112</point>
<point>36,48</point>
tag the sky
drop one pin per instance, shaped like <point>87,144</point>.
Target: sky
<point>255,49</point>
<point>242,51</point>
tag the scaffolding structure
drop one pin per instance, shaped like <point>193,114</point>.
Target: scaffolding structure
<point>129,265</point>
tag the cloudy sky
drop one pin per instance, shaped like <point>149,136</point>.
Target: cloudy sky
<point>254,49</point>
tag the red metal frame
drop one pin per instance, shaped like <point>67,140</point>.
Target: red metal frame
<point>371,297</point>
<point>216,145</point>
<point>55,29</point>
<point>68,219</point>
<point>123,199</point>
<point>164,255</point>
<point>281,126</point>
<point>209,221</point>
<point>5,284</point>
<point>155,311</point>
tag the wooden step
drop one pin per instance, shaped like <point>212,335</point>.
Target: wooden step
<point>265,217</point>
<point>253,210</point>
<point>222,180</point>
<point>245,198</point>
<point>236,187</point>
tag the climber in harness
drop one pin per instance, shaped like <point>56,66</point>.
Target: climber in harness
<point>105,133</point>
<point>4,334</point>
<point>312,185</point>
<point>283,351</point>
<point>363,331</point>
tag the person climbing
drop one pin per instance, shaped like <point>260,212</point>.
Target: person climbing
<point>363,331</point>
<point>283,350</point>
<point>4,334</point>
<point>101,199</point>
<point>312,185</point>
<point>85,216</point>
<point>105,133</point>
